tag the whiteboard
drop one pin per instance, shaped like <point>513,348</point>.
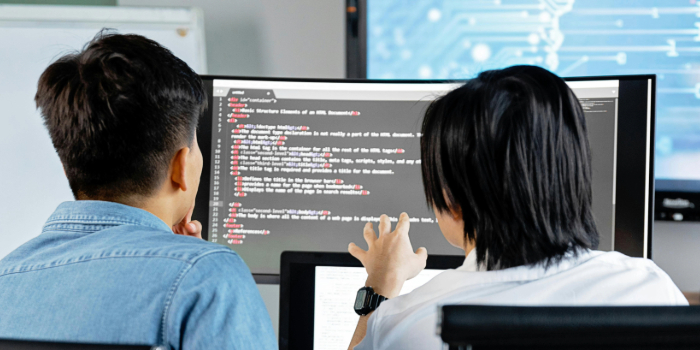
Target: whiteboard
<point>31,37</point>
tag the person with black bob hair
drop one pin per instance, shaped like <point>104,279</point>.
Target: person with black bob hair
<point>517,170</point>
<point>506,167</point>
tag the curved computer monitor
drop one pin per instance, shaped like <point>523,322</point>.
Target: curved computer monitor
<point>302,164</point>
<point>455,39</point>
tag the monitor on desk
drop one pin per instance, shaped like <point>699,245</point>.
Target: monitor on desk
<point>317,292</point>
<point>302,164</point>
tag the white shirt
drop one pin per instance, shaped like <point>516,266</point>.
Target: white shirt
<point>592,278</point>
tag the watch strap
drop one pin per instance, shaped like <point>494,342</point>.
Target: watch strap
<point>374,301</point>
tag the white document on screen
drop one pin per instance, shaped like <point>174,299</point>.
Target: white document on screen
<point>335,290</point>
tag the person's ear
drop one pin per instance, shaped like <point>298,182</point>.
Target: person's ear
<point>179,168</point>
<point>455,210</point>
<point>456,213</point>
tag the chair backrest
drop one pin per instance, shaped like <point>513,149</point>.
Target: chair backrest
<point>507,327</point>
<point>12,344</point>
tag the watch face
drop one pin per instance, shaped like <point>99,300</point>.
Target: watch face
<point>360,300</point>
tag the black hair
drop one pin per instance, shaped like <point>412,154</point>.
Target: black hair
<point>509,151</point>
<point>117,112</point>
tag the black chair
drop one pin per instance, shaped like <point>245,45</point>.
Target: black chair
<point>11,344</point>
<point>508,327</point>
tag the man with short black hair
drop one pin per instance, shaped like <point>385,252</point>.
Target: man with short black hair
<point>107,268</point>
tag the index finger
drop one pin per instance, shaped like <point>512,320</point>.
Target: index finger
<point>189,213</point>
<point>188,217</point>
<point>403,225</point>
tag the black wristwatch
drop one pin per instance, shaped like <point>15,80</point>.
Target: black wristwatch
<point>367,301</point>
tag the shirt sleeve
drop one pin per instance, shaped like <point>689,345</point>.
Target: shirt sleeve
<point>216,305</point>
<point>676,296</point>
<point>367,342</point>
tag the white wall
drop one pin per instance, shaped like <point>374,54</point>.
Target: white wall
<point>32,37</point>
<point>300,38</point>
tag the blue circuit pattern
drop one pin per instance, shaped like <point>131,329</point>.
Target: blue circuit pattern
<point>443,39</point>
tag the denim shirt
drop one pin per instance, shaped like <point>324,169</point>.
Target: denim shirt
<point>103,272</point>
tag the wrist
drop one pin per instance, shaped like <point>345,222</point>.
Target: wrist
<point>388,286</point>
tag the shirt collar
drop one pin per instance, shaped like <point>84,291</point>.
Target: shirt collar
<point>470,264</point>
<point>101,213</point>
<point>526,272</point>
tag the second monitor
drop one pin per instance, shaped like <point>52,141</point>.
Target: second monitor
<point>302,164</point>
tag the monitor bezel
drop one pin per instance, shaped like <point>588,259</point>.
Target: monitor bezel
<point>201,211</point>
<point>651,145</point>
<point>356,39</point>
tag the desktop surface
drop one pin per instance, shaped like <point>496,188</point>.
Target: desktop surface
<point>303,164</point>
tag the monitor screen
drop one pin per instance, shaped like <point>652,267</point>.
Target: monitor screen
<point>317,292</point>
<point>456,39</point>
<point>302,165</point>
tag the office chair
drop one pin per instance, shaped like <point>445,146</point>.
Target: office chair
<point>11,344</point>
<point>475,327</point>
